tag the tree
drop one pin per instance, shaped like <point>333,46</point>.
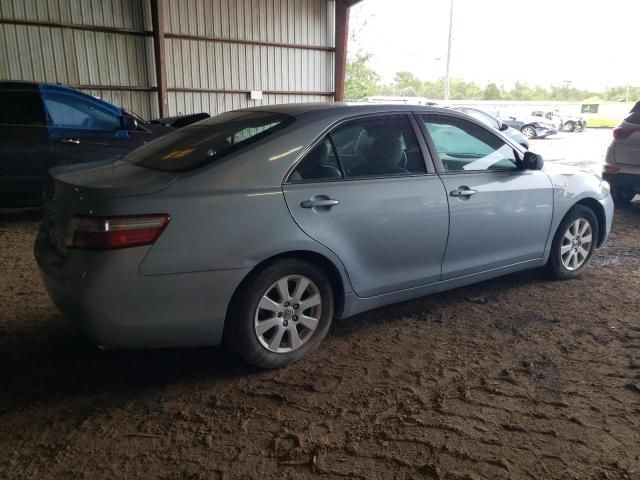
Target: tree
<point>407,84</point>
<point>361,80</point>
<point>491,92</point>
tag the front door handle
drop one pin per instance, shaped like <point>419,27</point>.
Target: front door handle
<point>74,141</point>
<point>322,203</point>
<point>462,192</point>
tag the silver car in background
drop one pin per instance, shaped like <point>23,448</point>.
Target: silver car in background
<point>622,163</point>
<point>494,122</point>
<point>259,227</point>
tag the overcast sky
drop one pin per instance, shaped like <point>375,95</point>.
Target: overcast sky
<point>593,43</point>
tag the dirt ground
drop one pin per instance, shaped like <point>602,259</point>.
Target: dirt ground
<point>519,377</point>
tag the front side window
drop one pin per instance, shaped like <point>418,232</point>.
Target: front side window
<point>21,108</point>
<point>464,146</point>
<point>378,146</point>
<point>206,141</point>
<point>67,110</point>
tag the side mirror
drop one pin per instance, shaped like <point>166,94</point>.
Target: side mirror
<point>128,123</point>
<point>532,161</point>
<point>503,127</point>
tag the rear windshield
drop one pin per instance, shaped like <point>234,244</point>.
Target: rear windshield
<point>206,141</point>
<point>634,118</point>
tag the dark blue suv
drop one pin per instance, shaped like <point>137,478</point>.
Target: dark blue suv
<point>44,125</point>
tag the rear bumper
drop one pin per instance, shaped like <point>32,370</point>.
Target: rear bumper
<point>628,181</point>
<point>105,296</point>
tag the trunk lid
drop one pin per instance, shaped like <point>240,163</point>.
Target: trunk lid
<point>76,189</point>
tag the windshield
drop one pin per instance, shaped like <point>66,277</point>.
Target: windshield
<point>207,141</point>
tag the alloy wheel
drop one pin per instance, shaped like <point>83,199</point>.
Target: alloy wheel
<point>528,132</point>
<point>576,244</point>
<point>288,314</point>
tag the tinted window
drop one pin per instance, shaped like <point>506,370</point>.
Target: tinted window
<point>206,141</point>
<point>378,146</point>
<point>634,118</point>
<point>464,146</point>
<point>68,110</point>
<point>21,108</point>
<point>319,164</point>
<point>483,117</point>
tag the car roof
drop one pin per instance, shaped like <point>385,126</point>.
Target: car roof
<point>322,109</point>
<point>27,85</point>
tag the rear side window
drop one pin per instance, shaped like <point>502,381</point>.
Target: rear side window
<point>379,146</point>
<point>319,164</point>
<point>207,141</point>
<point>21,108</point>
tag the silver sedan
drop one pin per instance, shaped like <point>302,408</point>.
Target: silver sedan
<point>259,227</point>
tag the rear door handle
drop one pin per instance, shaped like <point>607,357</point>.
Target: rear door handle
<point>462,192</point>
<point>75,141</point>
<point>327,203</point>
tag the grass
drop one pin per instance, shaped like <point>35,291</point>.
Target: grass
<point>603,122</point>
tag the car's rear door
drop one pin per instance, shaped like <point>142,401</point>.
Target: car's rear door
<point>84,129</point>
<point>499,213</point>
<point>379,208</point>
<point>25,153</point>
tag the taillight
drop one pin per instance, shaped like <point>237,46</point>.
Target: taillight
<point>621,133</point>
<point>611,169</point>
<point>108,233</point>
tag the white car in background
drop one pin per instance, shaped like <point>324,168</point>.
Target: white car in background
<point>622,164</point>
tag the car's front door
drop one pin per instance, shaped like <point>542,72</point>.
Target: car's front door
<point>83,129</point>
<point>364,192</point>
<point>25,153</point>
<point>500,214</point>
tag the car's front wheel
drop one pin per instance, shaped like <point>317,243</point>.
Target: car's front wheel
<point>528,131</point>
<point>574,243</point>
<point>282,313</point>
<point>568,127</point>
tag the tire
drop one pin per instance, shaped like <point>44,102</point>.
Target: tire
<point>528,132</point>
<point>281,316</point>
<point>568,127</point>
<point>560,262</point>
<point>622,197</point>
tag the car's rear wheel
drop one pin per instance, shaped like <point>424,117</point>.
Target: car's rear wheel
<point>528,131</point>
<point>574,243</point>
<point>282,313</point>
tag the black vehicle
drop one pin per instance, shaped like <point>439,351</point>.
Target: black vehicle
<point>44,125</point>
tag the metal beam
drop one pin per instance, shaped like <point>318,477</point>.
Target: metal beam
<point>157,21</point>
<point>341,41</point>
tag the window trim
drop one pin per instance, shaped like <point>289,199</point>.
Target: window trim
<point>430,168</point>
<point>436,156</point>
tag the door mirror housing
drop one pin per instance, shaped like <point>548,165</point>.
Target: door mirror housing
<point>503,127</point>
<point>128,123</point>
<point>532,161</point>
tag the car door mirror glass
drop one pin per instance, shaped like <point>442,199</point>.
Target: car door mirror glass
<point>532,161</point>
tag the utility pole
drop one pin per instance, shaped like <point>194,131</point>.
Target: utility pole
<point>447,79</point>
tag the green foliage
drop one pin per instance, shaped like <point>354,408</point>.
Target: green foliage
<point>492,92</point>
<point>360,80</point>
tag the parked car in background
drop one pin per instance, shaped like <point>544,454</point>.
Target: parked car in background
<point>564,123</point>
<point>43,125</point>
<point>622,163</point>
<point>530,127</point>
<point>260,226</point>
<point>493,122</point>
